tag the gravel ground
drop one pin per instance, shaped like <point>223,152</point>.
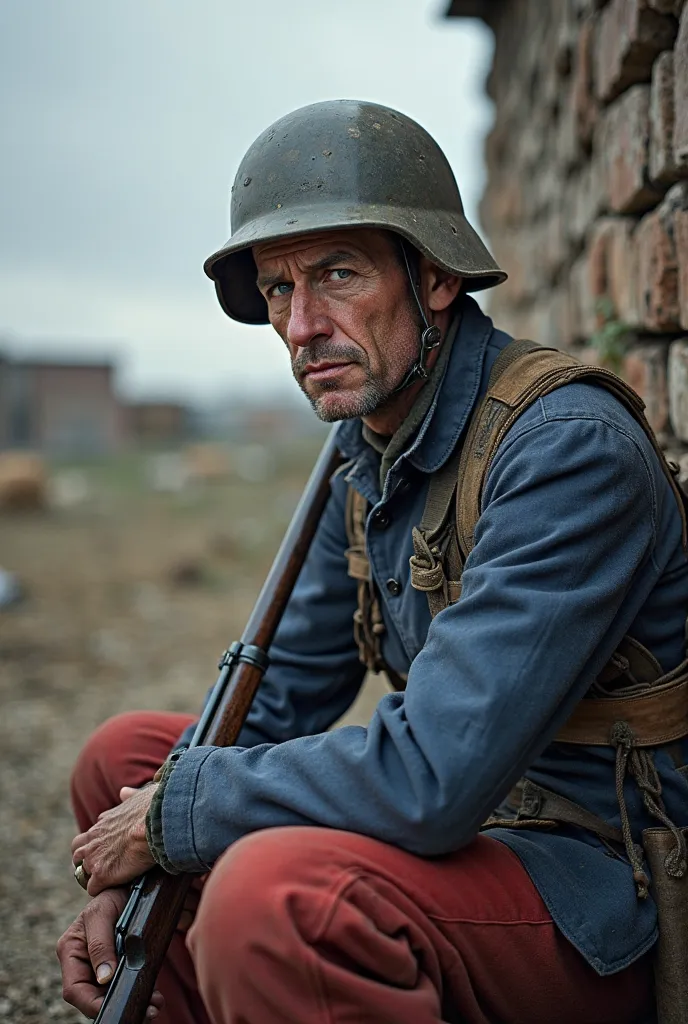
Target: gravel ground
<point>106,626</point>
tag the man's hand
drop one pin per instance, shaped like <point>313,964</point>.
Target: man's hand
<point>87,956</point>
<point>114,850</point>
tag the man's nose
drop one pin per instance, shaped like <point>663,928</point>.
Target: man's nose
<point>307,318</point>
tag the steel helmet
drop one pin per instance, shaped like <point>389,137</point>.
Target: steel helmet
<point>344,163</point>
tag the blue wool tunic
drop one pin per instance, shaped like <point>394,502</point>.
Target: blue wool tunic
<point>578,543</point>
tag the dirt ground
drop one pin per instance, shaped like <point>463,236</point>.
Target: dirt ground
<point>130,597</point>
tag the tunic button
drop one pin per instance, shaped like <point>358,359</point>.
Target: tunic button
<point>380,519</point>
<point>394,587</point>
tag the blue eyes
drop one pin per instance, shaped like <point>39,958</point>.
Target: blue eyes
<point>285,287</point>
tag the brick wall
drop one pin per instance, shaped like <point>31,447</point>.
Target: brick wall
<point>586,204</point>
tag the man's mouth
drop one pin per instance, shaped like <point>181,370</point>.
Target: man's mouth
<point>325,370</point>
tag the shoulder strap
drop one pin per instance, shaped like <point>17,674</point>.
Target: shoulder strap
<point>355,520</point>
<point>368,623</point>
<point>436,560</point>
<point>367,616</point>
<point>524,372</point>
<point>436,563</point>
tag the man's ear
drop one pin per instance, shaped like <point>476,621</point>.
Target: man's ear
<point>439,288</point>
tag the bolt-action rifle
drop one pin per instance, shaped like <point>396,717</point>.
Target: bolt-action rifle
<point>147,924</point>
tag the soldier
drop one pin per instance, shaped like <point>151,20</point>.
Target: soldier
<point>347,874</point>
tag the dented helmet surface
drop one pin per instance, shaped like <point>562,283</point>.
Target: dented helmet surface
<point>344,164</point>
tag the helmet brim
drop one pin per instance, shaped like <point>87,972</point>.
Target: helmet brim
<point>457,248</point>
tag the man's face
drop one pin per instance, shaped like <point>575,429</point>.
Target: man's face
<point>340,302</point>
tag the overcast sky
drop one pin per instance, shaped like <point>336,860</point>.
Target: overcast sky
<point>122,123</point>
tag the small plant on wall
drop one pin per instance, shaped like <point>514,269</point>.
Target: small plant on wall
<point>612,338</point>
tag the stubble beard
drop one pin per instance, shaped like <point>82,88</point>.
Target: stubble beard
<point>329,406</point>
<point>333,402</point>
<point>369,396</point>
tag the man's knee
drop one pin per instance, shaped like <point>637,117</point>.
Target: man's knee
<point>266,884</point>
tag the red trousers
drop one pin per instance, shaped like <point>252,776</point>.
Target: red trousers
<point>315,926</point>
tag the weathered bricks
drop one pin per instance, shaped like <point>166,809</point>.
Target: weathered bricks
<point>555,247</point>
<point>663,167</point>
<point>645,369</point>
<point>667,6</point>
<point>568,142</point>
<point>681,243</point>
<point>585,104</point>
<point>554,326</point>
<point>587,198</point>
<point>612,267</point>
<point>681,90</point>
<point>678,388</point>
<point>622,144</point>
<point>584,201</point>
<point>583,301</point>
<point>585,7</point>
<point>657,275</point>
<point>631,34</point>
<point>657,263</point>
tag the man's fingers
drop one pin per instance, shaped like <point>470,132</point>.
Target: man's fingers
<point>79,857</point>
<point>104,973</point>
<point>101,953</point>
<point>78,988</point>
<point>115,850</point>
<point>98,883</point>
<point>100,937</point>
<point>87,950</point>
<point>78,842</point>
<point>126,791</point>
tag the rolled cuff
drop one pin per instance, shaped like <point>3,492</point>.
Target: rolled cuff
<point>173,842</point>
<point>154,828</point>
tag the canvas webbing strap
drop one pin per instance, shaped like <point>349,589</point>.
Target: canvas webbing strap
<point>369,626</point>
<point>436,562</point>
<point>540,806</point>
<point>655,715</point>
<point>633,689</point>
<point>367,617</point>
<point>524,372</point>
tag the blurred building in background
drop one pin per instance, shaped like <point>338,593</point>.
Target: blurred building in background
<point>60,408</point>
<point>158,424</point>
<point>276,418</point>
<point>586,204</point>
<point>72,409</point>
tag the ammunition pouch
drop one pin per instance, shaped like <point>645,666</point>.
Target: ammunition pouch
<point>670,893</point>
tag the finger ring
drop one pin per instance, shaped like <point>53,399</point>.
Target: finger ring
<point>81,874</point>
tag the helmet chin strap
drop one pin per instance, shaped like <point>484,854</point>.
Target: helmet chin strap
<point>429,339</point>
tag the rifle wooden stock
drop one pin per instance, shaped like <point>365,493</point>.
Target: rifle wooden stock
<point>161,898</point>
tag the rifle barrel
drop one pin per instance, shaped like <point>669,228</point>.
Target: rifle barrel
<point>161,898</point>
